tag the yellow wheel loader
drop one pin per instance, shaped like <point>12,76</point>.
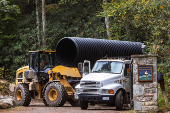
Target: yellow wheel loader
<point>43,80</point>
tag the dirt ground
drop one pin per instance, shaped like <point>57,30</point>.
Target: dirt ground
<point>39,107</point>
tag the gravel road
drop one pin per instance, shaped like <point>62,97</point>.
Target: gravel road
<point>39,107</point>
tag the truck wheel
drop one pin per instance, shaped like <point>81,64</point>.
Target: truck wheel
<point>22,95</point>
<point>84,105</point>
<point>74,103</point>
<point>119,100</point>
<point>55,94</point>
<point>45,103</point>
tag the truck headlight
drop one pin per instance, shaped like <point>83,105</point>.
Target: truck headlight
<point>76,90</point>
<point>108,91</point>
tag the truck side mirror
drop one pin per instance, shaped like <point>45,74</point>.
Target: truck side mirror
<point>80,68</point>
<point>86,67</point>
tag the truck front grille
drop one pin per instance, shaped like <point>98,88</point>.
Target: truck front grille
<point>90,90</point>
<point>90,84</point>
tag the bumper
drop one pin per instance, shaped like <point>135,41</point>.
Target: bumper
<point>95,98</point>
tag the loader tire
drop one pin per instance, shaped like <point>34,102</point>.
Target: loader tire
<point>119,100</point>
<point>45,103</point>
<point>83,105</point>
<point>55,94</point>
<point>22,95</point>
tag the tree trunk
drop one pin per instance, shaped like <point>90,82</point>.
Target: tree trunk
<point>38,21</point>
<point>106,20</point>
<point>23,5</point>
<point>162,85</point>
<point>43,22</point>
<point>127,31</point>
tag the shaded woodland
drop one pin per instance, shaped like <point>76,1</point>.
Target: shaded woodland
<point>21,27</point>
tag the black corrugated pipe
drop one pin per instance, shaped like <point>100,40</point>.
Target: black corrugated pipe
<point>72,50</point>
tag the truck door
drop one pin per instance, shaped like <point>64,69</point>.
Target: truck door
<point>126,82</point>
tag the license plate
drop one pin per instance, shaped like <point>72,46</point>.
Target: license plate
<point>76,96</point>
<point>105,98</point>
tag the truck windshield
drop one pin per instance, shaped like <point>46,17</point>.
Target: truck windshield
<point>108,67</point>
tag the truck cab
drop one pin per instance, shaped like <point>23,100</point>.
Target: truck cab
<point>108,83</point>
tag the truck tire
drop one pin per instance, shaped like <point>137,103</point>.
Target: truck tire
<point>119,100</point>
<point>45,103</point>
<point>84,105</point>
<point>55,94</point>
<point>22,95</point>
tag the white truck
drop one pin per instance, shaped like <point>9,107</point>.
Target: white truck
<point>107,83</point>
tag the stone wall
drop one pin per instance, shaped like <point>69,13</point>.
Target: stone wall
<point>145,96</point>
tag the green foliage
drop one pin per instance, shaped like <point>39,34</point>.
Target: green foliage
<point>62,20</point>
<point>1,72</point>
<point>27,41</point>
<point>161,101</point>
<point>143,20</point>
<point>4,88</point>
<point>8,15</point>
<point>4,73</point>
<point>8,22</point>
<point>138,20</point>
<point>74,20</point>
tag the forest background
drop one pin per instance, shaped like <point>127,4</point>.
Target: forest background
<point>21,28</point>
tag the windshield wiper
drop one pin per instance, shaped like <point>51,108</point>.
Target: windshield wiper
<point>96,71</point>
<point>115,73</point>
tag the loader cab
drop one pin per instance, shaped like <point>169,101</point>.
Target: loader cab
<point>40,62</point>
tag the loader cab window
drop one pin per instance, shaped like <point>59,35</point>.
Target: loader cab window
<point>33,61</point>
<point>41,61</point>
<point>47,60</point>
<point>36,63</point>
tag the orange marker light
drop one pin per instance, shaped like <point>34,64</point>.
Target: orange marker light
<point>111,91</point>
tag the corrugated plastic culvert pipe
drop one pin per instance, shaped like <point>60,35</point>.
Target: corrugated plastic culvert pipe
<point>72,50</point>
